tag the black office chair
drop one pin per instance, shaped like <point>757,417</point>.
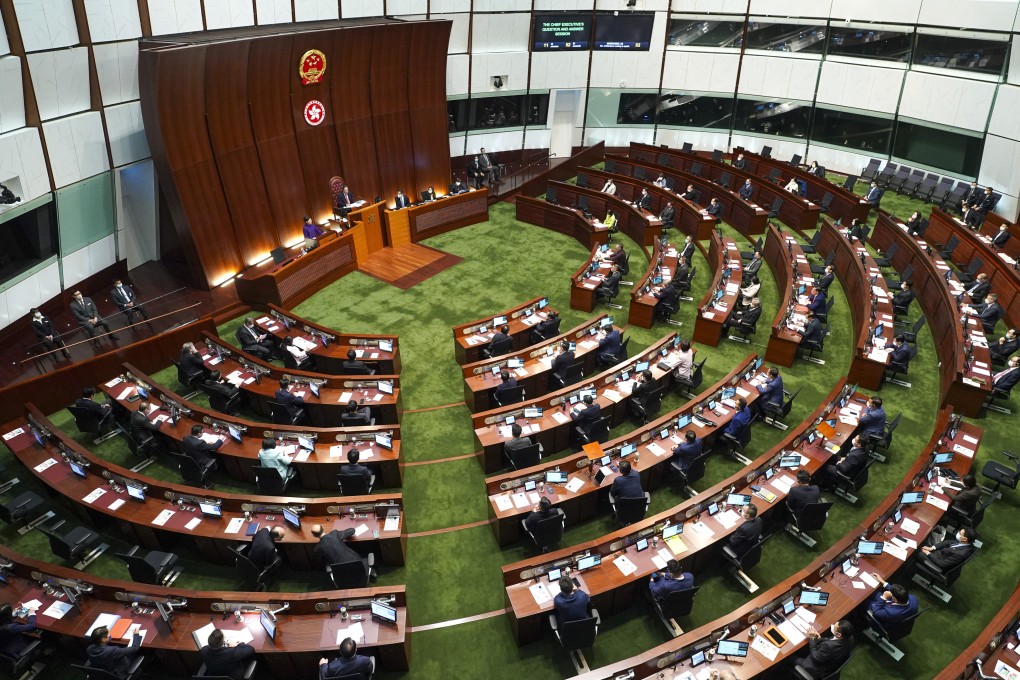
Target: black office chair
<point>187,379</point>
<point>88,423</point>
<point>886,260</point>
<point>291,362</point>
<point>677,604</point>
<point>968,275</point>
<point>694,472</point>
<point>810,518</point>
<point>192,473</point>
<point>606,359</point>
<point>606,295</point>
<point>355,484</point>
<point>518,459</point>
<point>733,444</point>
<point>575,636</point>
<point>809,248</point>
<point>647,410</point>
<point>897,368</point>
<point>934,579</point>
<point>823,316</point>
<point>510,395</point>
<point>270,481</point>
<point>230,406</point>
<point>25,511</point>
<point>847,487</point>
<point>777,207</point>
<point>808,348</point>
<point>947,250</point>
<point>885,635</point>
<point>871,170</point>
<point>356,420</point>
<point>739,564</point>
<point>826,202</point>
<point>550,331</point>
<point>1001,474</point>
<point>773,414</point>
<point>911,335</point>
<point>143,443</point>
<point>157,568</point>
<point>742,332</point>
<point>23,667</point>
<point>281,416</point>
<point>548,531</point>
<point>355,676</point>
<point>664,311</point>
<point>77,546</point>
<point>353,574</point>
<point>498,348</point>
<point>91,673</point>
<point>250,576</point>
<point>802,674</point>
<point>599,431</point>
<point>359,370</point>
<point>572,374</point>
<point>775,176</point>
<point>249,673</point>
<point>819,269</point>
<point>630,510</point>
<point>884,440</point>
<point>748,254</point>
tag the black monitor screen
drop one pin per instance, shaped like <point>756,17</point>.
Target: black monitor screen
<point>623,30</point>
<point>268,624</point>
<point>292,518</point>
<point>561,31</point>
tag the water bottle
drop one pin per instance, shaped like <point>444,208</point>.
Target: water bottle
<point>752,631</point>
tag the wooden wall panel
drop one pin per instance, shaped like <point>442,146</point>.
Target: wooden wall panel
<point>391,118</point>
<point>352,114</point>
<point>427,67</point>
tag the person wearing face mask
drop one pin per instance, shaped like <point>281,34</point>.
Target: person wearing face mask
<point>826,655</point>
<point>951,552</point>
<point>46,334</point>
<point>84,310</point>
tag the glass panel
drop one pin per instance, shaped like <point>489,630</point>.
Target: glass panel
<point>783,118</point>
<point>496,112</point>
<point>637,108</point>
<point>85,212</point>
<point>965,54</point>
<point>702,33</point>
<point>872,44</point>
<point>852,130</point>
<point>537,109</point>
<point>28,240</point>
<point>456,115</point>
<point>688,110</point>
<point>785,37</point>
<point>609,107</point>
<point>938,148</point>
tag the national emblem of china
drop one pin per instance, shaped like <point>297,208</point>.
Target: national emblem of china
<point>313,67</point>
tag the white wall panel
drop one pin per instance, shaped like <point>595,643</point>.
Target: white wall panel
<point>458,32</point>
<point>46,24</point>
<point>113,20</point>
<point>75,267</point>
<point>449,6</point>
<point>619,136</point>
<point>861,87</point>
<point>49,282</point>
<point>790,8</point>
<point>76,147</point>
<point>537,138</point>
<point>21,155</point>
<point>551,70</point>
<point>1000,165</point>
<point>778,77</point>
<point>513,65</point>
<point>23,296</point>
<point>726,6</point>
<point>5,46</point>
<point>625,69</point>
<point>951,101</point>
<point>228,14</point>
<point>402,7</point>
<point>494,142</point>
<point>126,133</point>
<point>641,5</point>
<point>175,16</point>
<point>102,254</point>
<point>135,198</point>
<point>700,71</point>
<point>457,74</point>
<point>5,317</point>
<point>360,8</point>
<point>991,15</point>
<point>899,11</point>
<point>316,10</point>
<point>117,67</point>
<point>502,5</point>
<point>60,79</point>
<point>12,103</point>
<point>457,146</point>
<point>272,12</point>
<point>545,5</point>
<point>1005,122</point>
<point>500,32</point>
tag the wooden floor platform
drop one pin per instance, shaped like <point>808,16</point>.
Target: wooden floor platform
<point>407,265</point>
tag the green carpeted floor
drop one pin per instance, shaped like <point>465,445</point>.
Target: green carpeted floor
<point>455,574</point>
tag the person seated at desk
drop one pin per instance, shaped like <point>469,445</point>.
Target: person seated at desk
<point>400,201</point>
<point>292,402</point>
<point>901,352</point>
<point>914,224</point>
<point>254,341</point>
<point>874,196</point>
<point>107,657</point>
<point>87,401</point>
<point>812,330</point>
<point>1001,237</point>
<point>457,187</point>
<point>988,313</point>
<point>332,547</point>
<point>543,510</point>
<point>741,418</point>
<point>45,333</point>
<point>668,298</point>
<point>792,186</point>
<point>905,295</point>
<point>610,344</point>
<point>563,359</point>
<point>953,551</point>
<point>301,358</point>
<point>979,288</point>
<point>668,215</point>
<point>487,166</point>
<point>355,415</point>
<point>586,413</point>
<point>571,604</point>
<point>680,275</point>
<point>715,209</point>
<point>891,604</point>
<point>660,181</point>
<point>262,552</point>
<point>540,330</point>
<point>312,232</point>
<point>354,365</point>
<point>475,172</point>
<point>610,221</point>
<point>199,450</point>
<point>348,664</point>
<point>1004,347</point>
<point>615,255</point>
<point>140,424</point>
<point>823,282</point>
<point>690,193</point>
<point>745,317</point>
<point>688,250</point>
<point>987,201</point>
<point>826,655</point>
<point>345,202</point>
<point>216,384</point>
<point>816,170</point>
<point>848,466</point>
<point>191,361</point>
<point>771,390</point>
<point>354,467</point>
<point>643,201</point>
<point>672,580</point>
<point>803,493</point>
<point>966,499</point>
<point>740,163</point>
<point>972,196</point>
<point>13,636</point>
<point>816,301</point>
<point>271,457</point>
<point>516,441</point>
<point>972,218</point>
<point>684,356</point>
<point>124,297</point>
<point>428,195</point>
<point>610,283</point>
<point>687,451</point>
<point>84,310</point>
<point>748,292</point>
<point>222,659</point>
<point>872,421</point>
<point>1005,379</point>
<point>746,190</point>
<point>507,382</point>
<point>752,267</point>
<point>642,388</point>
<point>748,533</point>
<point>609,187</point>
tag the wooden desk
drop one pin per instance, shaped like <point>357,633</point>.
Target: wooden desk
<point>586,280</point>
<point>469,340</point>
<point>791,270</point>
<point>964,384</point>
<point>703,536</point>
<point>331,352</point>
<point>258,382</point>
<point>747,218</point>
<point>845,205</point>
<point>305,632</point>
<point>425,220</point>
<point>824,572</point>
<point>318,472</point>
<point>856,269</point>
<point>642,295</point>
<point>653,453</point>
<point>724,258</point>
<point>98,503</point>
<point>479,379</point>
<point>796,212</point>
<point>992,645</point>
<point>643,227</point>
<point>553,428</point>
<point>561,219</point>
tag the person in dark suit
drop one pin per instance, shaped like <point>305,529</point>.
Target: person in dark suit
<point>571,604</point>
<point>543,510</point>
<point>84,311</point>
<point>87,401</point>
<point>914,223</point>
<point>901,352</point>
<point>293,403</point>
<point>218,385</point>
<point>740,163</point>
<point>563,359</point>
<point>972,217</point>
<point>644,201</point>
<point>816,170</point>
<point>826,655</point>
<point>690,193</point>
<point>347,664</point>
<point>428,195</point>
<point>748,317</point>
<point>1001,237</point>
<point>516,442</point>
<point>683,270</point>
<point>586,413</point>
<point>198,449</point>
<point>457,187</point>
<point>892,603</point>
<point>987,313</point>
<point>106,657</point>
<point>823,282</point>
<point>344,201</point>
<point>355,415</point>
<point>748,533</point>
<point>966,499</point>
<point>487,166</point>
<point>615,255</point>
<point>354,467</point>
<point>354,365</point>
<point>501,338</point>
<point>771,391</point>
<point>715,209</point>
<point>126,300</point>
<point>45,333</point>
<point>752,267</point>
<point>872,421</point>
<point>254,341</point>
<point>813,331</point>
<point>803,493</point>
<point>951,552</point>
<point>668,297</point>
<point>262,552</point>
<point>140,424</point>
<point>978,288</point>
<point>1004,347</point>
<point>508,382</point>
<point>971,196</point>
<point>816,301</point>
<point>687,451</point>
<point>987,201</point>
<point>474,171</point>
<point>543,330</point>
<point>401,201</point>
<point>848,466</point>
<point>673,579</point>
<point>609,347</point>
<point>746,190</point>
<point>740,420</point>
<point>332,547</point>
<point>688,250</point>
<point>905,295</point>
<point>1005,379</point>
<point>874,195</point>
<point>668,215</point>
<point>643,387</point>
<point>191,360</point>
<point>13,638</point>
<point>221,659</point>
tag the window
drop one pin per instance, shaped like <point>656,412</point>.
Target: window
<point>869,43</point>
<point>938,147</point>
<point>691,110</point>
<point>852,130</point>
<point>980,55</point>
<point>637,108</point>
<point>496,112</point>
<point>785,37</point>
<point>782,118</point>
<point>28,240</point>
<point>456,115</point>
<point>704,33</point>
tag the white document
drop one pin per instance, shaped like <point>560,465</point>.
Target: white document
<point>336,451</point>
<point>762,645</point>
<point>858,585</point>
<point>94,495</point>
<point>963,451</point>
<point>209,438</point>
<point>728,519</point>
<point>894,550</point>
<point>521,500</point>
<point>805,615</point>
<point>58,609</point>
<point>791,632</point>
<point>163,517</point>
<point>625,565</point>
<point>782,484</point>
<point>46,464</point>
<point>236,637</point>
<point>360,529</point>
<point>910,526</point>
<point>116,504</point>
<point>937,502</point>
<point>852,571</point>
<point>659,563</point>
<point>345,397</point>
<point>869,579</point>
<point>503,502</point>
<point>656,449</point>
<point>612,395</point>
<point>234,525</point>
<point>302,455</point>
<point>702,529</point>
<point>560,417</point>
<point>540,593</point>
<point>1005,671</point>
<point>106,620</point>
<point>574,484</point>
<point>194,522</point>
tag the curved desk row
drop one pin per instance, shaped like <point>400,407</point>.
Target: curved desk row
<point>826,573</point>
<point>471,338</point>
<point>169,513</point>
<point>552,427</point>
<point>642,297</point>
<point>791,270</point>
<point>585,281</point>
<point>722,296</point>
<point>317,470</point>
<point>706,527</point>
<point>996,646</point>
<point>561,219</point>
<point>643,227</point>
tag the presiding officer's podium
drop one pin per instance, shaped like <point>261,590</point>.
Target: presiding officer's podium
<point>419,222</point>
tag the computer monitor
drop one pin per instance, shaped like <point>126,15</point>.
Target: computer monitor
<point>543,303</point>
<point>589,562</point>
<point>142,392</point>
<point>656,280</point>
<point>135,492</point>
<point>943,458</point>
<point>556,477</point>
<point>606,322</point>
<point>314,387</point>
<point>496,370</point>
<point>306,443</point>
<point>758,362</point>
<point>641,366</point>
<point>627,449</point>
<point>292,518</point>
<point>384,612</point>
<point>719,293</point>
<point>870,547</point>
<point>385,345</point>
<point>912,497</point>
<point>801,289</point>
<point>600,476</point>
<point>210,509</point>
<point>879,329</point>
<point>713,508</point>
<point>697,659</point>
<point>663,433</point>
<point>509,420</point>
<point>728,393</point>
<point>641,544</point>
<point>814,598</point>
<point>672,530</point>
<point>711,404</point>
<point>789,606</point>
<point>498,321</point>
<point>385,386</point>
<point>731,648</point>
<point>789,462</point>
<point>572,346</point>
<point>38,437</point>
<point>530,485</point>
<point>268,624</point>
<point>385,441</point>
<point>78,469</point>
<point>625,376</point>
<point>738,499</point>
<point>683,421</point>
<point>532,411</point>
<point>234,433</point>
<point>514,363</point>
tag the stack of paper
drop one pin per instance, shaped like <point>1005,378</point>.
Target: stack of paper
<point>503,502</point>
<point>625,565</point>
<point>540,593</point>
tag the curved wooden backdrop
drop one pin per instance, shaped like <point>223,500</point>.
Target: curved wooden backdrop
<point>237,163</point>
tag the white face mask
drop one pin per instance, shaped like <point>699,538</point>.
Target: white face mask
<point>959,536</point>
<point>38,315</point>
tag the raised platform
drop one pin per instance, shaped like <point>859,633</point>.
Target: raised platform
<point>407,265</point>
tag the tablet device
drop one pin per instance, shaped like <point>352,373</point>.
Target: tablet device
<point>812,598</point>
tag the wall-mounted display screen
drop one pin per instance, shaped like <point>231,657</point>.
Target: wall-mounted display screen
<point>561,31</point>
<point>623,30</point>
